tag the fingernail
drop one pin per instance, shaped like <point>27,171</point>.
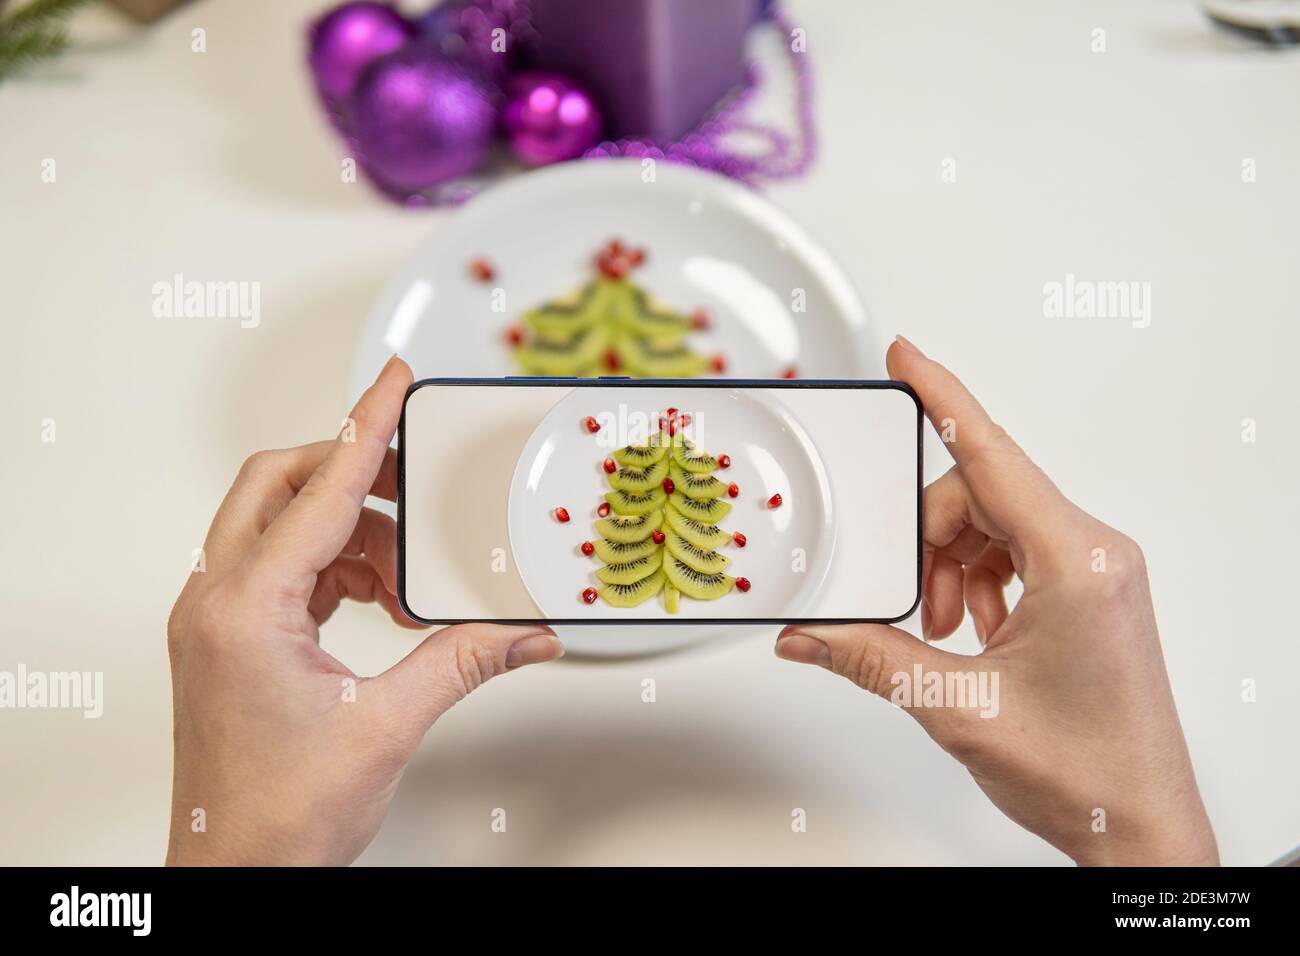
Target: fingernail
<point>803,649</point>
<point>927,625</point>
<point>536,649</point>
<point>907,345</point>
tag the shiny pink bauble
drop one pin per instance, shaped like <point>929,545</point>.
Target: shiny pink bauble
<point>548,119</point>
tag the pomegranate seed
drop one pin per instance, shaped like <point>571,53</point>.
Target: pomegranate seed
<point>614,266</point>
<point>686,420</point>
<point>482,270</point>
<point>603,510</point>
<point>789,373</point>
<point>609,466</point>
<point>562,515</point>
<point>612,360</point>
<point>724,461</point>
<point>515,335</point>
<point>774,501</point>
<point>742,584</point>
<point>669,487</point>
<point>593,426</point>
<point>733,490</point>
<point>719,364</point>
<point>663,423</point>
<point>588,548</point>
<point>672,413</point>
<point>672,426</point>
<point>657,536</point>
<point>700,320</point>
<point>589,595</point>
<point>614,247</point>
<point>740,539</point>
<point>636,256</point>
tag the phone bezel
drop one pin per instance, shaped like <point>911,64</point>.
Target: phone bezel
<point>618,382</point>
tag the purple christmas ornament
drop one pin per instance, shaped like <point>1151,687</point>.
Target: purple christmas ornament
<point>419,120</point>
<point>481,35</point>
<point>548,119</point>
<point>348,38</point>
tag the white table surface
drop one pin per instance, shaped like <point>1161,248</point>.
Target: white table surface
<point>1113,166</point>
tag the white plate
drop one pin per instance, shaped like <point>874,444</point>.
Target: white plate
<point>711,243</point>
<point>770,452</point>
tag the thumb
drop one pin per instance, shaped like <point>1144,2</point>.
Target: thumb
<point>449,664</point>
<point>876,657</point>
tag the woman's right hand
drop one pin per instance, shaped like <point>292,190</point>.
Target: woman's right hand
<point>1085,748</point>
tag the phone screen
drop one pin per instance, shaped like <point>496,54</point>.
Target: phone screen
<point>588,501</point>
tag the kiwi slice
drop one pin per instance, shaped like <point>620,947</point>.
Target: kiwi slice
<point>646,317</point>
<point>705,536</point>
<point>706,510</point>
<point>650,359</point>
<point>641,456</point>
<point>702,560</point>
<point>696,486</point>
<point>702,587</point>
<point>628,529</point>
<point>629,572</point>
<point>626,503</point>
<point>696,462</point>
<point>582,351</point>
<point>638,481</point>
<point>620,552</point>
<point>671,598</point>
<point>564,317</point>
<point>630,595</point>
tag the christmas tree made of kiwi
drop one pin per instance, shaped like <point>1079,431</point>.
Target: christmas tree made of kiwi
<point>658,525</point>
<point>610,324</point>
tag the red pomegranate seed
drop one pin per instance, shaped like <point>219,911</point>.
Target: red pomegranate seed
<point>612,361</point>
<point>719,364</point>
<point>733,490</point>
<point>562,515</point>
<point>482,270</point>
<point>589,595</point>
<point>663,423</point>
<point>789,373</point>
<point>724,461</point>
<point>603,510</point>
<point>609,466</point>
<point>591,424</point>
<point>614,266</point>
<point>669,487</point>
<point>774,501</point>
<point>515,335</point>
<point>742,584</point>
<point>700,319</point>
<point>657,536</point>
<point>614,247</point>
<point>686,420</point>
<point>672,426</point>
<point>672,413</point>
<point>636,256</point>
<point>740,539</point>
<point>588,548</point>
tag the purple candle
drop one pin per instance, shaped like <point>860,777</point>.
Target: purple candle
<point>656,66</point>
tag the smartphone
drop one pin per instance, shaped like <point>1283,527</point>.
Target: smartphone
<point>591,501</point>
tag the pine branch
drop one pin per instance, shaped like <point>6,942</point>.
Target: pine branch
<point>40,12</point>
<point>34,32</point>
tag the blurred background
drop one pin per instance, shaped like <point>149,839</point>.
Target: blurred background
<point>949,164</point>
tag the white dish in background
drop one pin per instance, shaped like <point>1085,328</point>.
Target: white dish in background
<point>710,243</point>
<point>560,465</point>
